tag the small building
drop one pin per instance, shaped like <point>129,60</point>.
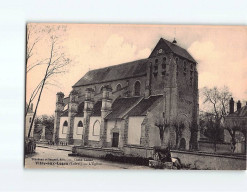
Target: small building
<point>121,106</point>
<point>236,122</point>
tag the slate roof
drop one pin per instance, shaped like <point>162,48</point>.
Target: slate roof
<point>111,73</point>
<point>144,105</point>
<point>66,101</point>
<point>240,113</point>
<point>131,106</point>
<point>179,50</point>
<point>171,47</point>
<point>122,105</point>
<point>65,113</point>
<point>129,69</point>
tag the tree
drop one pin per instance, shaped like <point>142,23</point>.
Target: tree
<point>162,124</point>
<point>35,35</point>
<point>54,64</point>
<point>234,125</point>
<point>217,102</point>
<point>47,121</point>
<point>179,126</point>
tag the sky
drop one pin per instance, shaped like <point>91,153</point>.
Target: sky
<point>220,52</point>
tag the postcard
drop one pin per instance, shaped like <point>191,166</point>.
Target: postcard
<point>131,96</point>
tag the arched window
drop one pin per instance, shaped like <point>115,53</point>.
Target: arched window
<point>119,87</point>
<point>65,127</point>
<point>96,128</point>
<point>80,124</point>
<point>79,128</point>
<point>137,88</point>
<point>30,120</point>
<point>65,124</point>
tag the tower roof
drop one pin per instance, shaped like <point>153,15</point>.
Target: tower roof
<point>167,46</point>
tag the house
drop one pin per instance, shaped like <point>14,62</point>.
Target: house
<point>236,124</point>
<point>121,106</point>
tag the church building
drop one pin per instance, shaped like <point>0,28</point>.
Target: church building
<point>125,106</point>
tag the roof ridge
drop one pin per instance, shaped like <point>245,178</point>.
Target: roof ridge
<point>175,45</point>
<point>117,65</point>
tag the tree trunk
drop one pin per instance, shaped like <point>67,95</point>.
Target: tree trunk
<point>41,90</point>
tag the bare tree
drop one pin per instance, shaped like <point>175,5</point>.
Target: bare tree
<point>217,102</point>
<point>35,35</point>
<point>55,64</point>
<point>234,125</point>
<point>179,126</point>
<point>162,124</point>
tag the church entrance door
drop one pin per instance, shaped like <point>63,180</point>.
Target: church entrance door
<point>115,139</point>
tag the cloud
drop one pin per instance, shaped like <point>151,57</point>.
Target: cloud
<point>217,67</point>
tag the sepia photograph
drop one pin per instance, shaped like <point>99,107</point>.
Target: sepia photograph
<point>135,96</point>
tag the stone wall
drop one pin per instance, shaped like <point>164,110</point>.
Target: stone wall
<point>199,160</point>
<point>209,147</point>
<point>95,152</point>
<point>138,151</point>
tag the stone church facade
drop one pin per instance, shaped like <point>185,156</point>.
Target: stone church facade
<point>122,106</point>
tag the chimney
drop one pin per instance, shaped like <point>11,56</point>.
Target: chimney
<point>238,105</point>
<point>231,103</point>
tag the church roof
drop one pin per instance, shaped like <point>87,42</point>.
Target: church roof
<point>66,101</point>
<point>111,73</point>
<point>144,105</point>
<point>122,105</point>
<point>65,113</point>
<point>242,112</point>
<point>171,47</point>
<point>130,69</point>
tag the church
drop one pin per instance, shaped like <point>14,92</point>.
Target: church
<point>134,105</point>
